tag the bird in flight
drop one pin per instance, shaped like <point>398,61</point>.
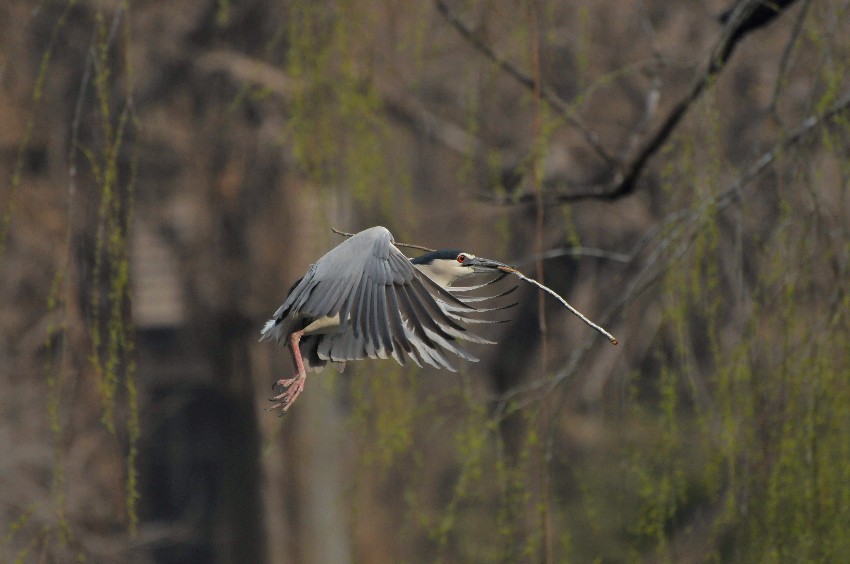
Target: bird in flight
<point>366,299</point>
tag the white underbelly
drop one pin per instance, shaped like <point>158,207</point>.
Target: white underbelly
<point>322,325</point>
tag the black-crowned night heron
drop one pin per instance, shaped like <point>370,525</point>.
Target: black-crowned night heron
<point>365,298</point>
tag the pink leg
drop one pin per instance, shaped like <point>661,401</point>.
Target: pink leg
<point>295,385</point>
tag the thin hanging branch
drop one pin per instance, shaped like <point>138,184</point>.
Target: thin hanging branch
<point>743,18</point>
<point>655,265</point>
<point>546,93</point>
<point>737,27</point>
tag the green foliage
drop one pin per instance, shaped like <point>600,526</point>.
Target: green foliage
<point>37,97</point>
<point>109,333</point>
<point>386,405</point>
<point>222,15</point>
<point>765,413</point>
<point>56,369</point>
<point>337,132</point>
<point>740,434</point>
<point>733,445</point>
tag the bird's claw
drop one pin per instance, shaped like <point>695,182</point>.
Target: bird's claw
<point>293,388</point>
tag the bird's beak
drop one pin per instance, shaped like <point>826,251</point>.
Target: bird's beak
<point>479,264</point>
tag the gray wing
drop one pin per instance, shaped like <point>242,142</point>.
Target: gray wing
<point>386,306</point>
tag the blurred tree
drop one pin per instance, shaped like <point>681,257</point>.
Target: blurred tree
<point>678,170</point>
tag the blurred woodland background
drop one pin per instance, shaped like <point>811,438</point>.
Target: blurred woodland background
<point>679,170</point>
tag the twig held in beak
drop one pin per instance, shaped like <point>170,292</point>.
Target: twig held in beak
<point>581,316</point>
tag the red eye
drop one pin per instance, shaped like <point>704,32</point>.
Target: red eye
<point>461,258</point>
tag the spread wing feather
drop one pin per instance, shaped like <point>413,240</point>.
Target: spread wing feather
<point>386,308</point>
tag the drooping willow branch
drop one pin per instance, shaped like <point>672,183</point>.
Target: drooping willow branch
<point>739,21</point>
<point>665,255</point>
<point>554,101</point>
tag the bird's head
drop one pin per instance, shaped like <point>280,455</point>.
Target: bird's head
<point>445,267</point>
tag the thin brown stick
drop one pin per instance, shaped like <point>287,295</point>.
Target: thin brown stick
<point>580,315</point>
<point>396,243</point>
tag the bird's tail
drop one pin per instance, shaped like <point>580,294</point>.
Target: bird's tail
<point>271,331</point>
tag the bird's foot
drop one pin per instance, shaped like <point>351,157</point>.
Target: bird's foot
<point>294,387</point>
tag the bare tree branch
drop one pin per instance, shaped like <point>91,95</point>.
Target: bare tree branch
<point>406,109</point>
<point>743,18</point>
<point>786,58</point>
<point>670,248</point>
<point>729,38</point>
<point>546,93</point>
<point>739,21</point>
